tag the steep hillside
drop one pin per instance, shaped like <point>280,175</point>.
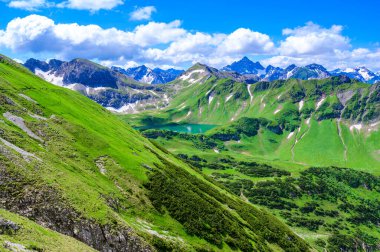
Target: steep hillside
<point>69,165</point>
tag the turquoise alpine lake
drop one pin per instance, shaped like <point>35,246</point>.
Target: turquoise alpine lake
<point>184,128</point>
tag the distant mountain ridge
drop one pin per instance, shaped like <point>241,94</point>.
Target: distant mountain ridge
<point>312,71</point>
<point>245,66</point>
<point>362,74</point>
<point>145,74</point>
<point>92,74</point>
<point>79,71</point>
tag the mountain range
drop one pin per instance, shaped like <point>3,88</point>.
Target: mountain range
<point>128,90</point>
<point>312,71</point>
<point>250,71</point>
<point>147,75</point>
<point>112,89</point>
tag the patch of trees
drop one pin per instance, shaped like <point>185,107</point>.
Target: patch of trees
<point>309,223</point>
<point>353,243</point>
<point>246,126</point>
<point>254,169</point>
<point>302,200</point>
<point>199,141</point>
<point>251,169</point>
<point>201,209</point>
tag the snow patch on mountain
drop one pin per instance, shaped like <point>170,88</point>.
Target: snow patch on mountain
<point>49,76</point>
<point>290,135</point>
<point>320,102</point>
<point>300,105</point>
<point>189,74</point>
<point>356,126</point>
<point>250,92</point>
<point>229,97</point>
<point>210,98</point>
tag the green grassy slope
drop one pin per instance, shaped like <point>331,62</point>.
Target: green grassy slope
<point>69,164</point>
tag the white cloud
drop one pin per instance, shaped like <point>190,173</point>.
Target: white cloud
<point>25,33</point>
<point>143,13</point>
<point>159,43</point>
<point>215,49</point>
<point>327,46</point>
<point>120,62</point>
<point>155,43</point>
<point>341,59</point>
<point>157,33</point>
<point>30,5</point>
<point>91,5</point>
<point>40,34</point>
<point>245,41</point>
<point>313,39</point>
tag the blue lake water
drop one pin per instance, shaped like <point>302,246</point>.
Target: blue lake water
<point>186,128</point>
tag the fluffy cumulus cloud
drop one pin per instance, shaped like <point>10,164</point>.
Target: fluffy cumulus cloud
<point>245,41</point>
<point>30,5</point>
<point>313,39</point>
<point>169,44</point>
<point>91,5</point>
<point>327,46</point>
<point>143,13</point>
<point>154,42</point>
<point>40,34</point>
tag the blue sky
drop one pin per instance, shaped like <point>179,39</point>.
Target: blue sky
<point>180,33</point>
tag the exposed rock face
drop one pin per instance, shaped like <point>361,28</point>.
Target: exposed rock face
<point>87,73</point>
<point>110,88</point>
<point>111,98</point>
<point>8,227</point>
<point>44,205</point>
<point>204,72</point>
<point>245,66</point>
<point>345,96</point>
<point>15,247</point>
<point>80,71</point>
<point>33,64</point>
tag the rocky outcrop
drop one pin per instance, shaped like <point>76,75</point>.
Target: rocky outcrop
<point>44,205</point>
<point>8,227</point>
<point>87,73</point>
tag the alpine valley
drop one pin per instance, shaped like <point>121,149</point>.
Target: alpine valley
<point>285,159</point>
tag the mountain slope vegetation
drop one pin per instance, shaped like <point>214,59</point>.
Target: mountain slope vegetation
<point>69,165</point>
<point>306,151</point>
<point>335,117</point>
